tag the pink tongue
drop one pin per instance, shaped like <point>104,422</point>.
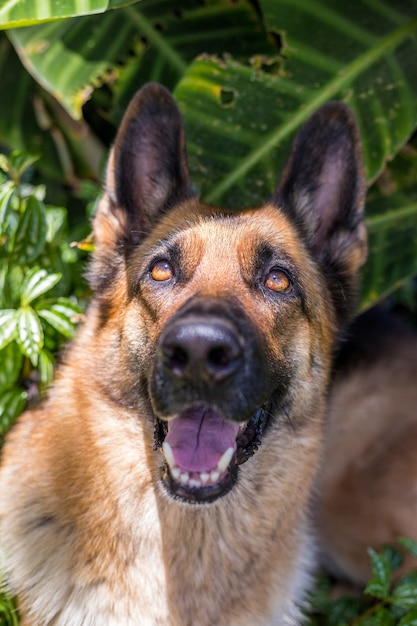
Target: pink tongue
<point>198,438</point>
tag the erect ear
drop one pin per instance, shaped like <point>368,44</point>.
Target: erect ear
<point>323,189</point>
<point>147,170</point>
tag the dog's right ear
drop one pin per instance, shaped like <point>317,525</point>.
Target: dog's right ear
<point>147,170</point>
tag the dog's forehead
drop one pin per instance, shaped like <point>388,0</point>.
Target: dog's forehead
<point>243,234</point>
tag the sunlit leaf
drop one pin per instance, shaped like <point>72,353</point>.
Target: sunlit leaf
<point>57,320</point>
<point>237,148</point>
<point>30,333</point>
<point>150,40</point>
<point>25,12</point>
<point>380,583</point>
<point>7,192</point>
<point>405,595</point>
<point>8,326</point>
<point>38,282</point>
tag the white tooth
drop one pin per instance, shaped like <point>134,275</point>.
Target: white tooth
<point>169,455</point>
<point>184,478</point>
<point>214,476</point>
<point>194,483</point>
<point>204,477</point>
<point>225,459</point>
<point>175,472</point>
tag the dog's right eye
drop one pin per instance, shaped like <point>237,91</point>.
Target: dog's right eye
<point>161,271</point>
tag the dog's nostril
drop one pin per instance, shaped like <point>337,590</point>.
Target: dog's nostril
<point>176,358</point>
<point>219,358</point>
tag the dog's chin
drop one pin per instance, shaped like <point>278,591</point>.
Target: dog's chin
<point>202,451</point>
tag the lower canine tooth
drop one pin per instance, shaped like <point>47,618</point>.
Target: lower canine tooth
<point>175,472</point>
<point>214,476</point>
<point>225,459</point>
<point>169,455</point>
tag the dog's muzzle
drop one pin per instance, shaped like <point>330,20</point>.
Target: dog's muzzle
<point>208,390</point>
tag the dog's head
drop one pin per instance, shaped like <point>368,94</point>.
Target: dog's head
<point>224,321</point>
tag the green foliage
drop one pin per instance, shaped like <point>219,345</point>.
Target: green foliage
<point>386,601</point>
<point>36,274</point>
<point>8,611</point>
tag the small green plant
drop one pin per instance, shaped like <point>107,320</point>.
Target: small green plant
<point>386,601</point>
<point>8,611</point>
<point>37,271</point>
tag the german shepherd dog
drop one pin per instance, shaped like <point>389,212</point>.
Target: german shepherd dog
<point>166,480</point>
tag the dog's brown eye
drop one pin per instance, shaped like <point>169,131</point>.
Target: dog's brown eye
<point>278,281</point>
<point>161,271</point>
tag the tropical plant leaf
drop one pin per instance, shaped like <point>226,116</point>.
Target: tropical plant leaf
<point>98,49</point>
<point>58,320</point>
<point>8,326</point>
<point>409,620</point>
<point>12,403</point>
<point>175,34</point>
<point>32,121</point>
<point>404,595</point>
<point>15,13</point>
<point>392,232</point>
<point>30,333</point>
<point>367,57</point>
<point>46,366</point>
<point>247,138</point>
<point>30,234</point>
<point>6,195</point>
<point>380,583</point>
<point>37,282</point>
<point>409,544</point>
<point>10,365</point>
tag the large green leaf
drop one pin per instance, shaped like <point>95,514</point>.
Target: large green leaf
<point>236,146</point>
<point>15,13</point>
<point>364,52</point>
<point>151,40</point>
<point>392,231</point>
<point>31,121</point>
<point>30,333</point>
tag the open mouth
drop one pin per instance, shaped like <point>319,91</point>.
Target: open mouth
<point>203,450</point>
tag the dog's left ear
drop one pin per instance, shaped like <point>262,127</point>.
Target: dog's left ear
<point>323,189</point>
<point>147,170</point>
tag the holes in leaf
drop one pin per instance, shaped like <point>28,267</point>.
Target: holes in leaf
<point>228,96</point>
<point>277,40</point>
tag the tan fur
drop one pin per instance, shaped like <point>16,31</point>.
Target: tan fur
<point>367,495</point>
<point>91,535</point>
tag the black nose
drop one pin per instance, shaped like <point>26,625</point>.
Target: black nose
<point>201,349</point>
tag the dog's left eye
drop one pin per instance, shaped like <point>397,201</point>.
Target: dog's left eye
<point>278,281</point>
<point>161,271</point>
